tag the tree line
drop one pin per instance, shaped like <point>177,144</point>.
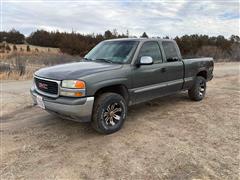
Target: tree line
<point>13,36</point>
<point>79,44</point>
<point>71,43</point>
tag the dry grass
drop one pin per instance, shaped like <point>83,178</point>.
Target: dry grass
<point>22,50</point>
<point>19,66</point>
<point>16,75</point>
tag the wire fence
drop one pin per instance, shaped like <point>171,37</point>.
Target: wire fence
<point>25,63</point>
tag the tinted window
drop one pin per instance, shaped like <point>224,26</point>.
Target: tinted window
<point>170,50</point>
<point>151,49</point>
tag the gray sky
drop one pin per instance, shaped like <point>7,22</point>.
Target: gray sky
<point>156,17</point>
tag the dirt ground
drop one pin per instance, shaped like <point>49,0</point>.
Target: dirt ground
<point>168,138</point>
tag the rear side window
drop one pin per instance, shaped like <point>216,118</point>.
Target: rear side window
<point>170,51</point>
<point>151,49</point>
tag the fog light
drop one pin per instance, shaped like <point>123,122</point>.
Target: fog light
<point>78,94</point>
<point>71,93</point>
<point>65,93</point>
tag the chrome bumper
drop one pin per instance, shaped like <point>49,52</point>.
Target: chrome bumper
<point>76,109</point>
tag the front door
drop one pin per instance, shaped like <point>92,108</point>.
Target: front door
<point>149,81</point>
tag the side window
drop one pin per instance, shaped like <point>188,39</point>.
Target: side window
<point>151,49</point>
<point>170,51</point>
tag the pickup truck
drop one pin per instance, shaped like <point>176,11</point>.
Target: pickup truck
<point>115,74</point>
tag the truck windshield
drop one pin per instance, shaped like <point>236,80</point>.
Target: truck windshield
<point>113,51</point>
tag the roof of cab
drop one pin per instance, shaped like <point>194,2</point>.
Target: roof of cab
<point>139,39</point>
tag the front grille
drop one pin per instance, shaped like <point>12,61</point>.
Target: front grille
<point>46,86</point>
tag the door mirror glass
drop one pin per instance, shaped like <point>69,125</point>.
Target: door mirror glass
<point>146,60</point>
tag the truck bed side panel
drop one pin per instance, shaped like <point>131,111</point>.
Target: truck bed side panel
<point>194,67</point>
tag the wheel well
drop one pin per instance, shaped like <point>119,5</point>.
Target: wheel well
<point>203,74</point>
<point>119,89</point>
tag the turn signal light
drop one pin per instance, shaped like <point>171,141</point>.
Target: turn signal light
<point>80,85</point>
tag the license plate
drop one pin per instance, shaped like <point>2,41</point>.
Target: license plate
<point>40,102</point>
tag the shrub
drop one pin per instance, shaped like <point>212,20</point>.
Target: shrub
<point>8,48</point>
<point>2,46</point>
<point>28,48</point>
<point>14,47</point>
<point>144,35</point>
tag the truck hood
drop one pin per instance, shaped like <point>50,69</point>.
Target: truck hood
<point>76,70</point>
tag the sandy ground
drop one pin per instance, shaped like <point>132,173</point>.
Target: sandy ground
<point>168,138</point>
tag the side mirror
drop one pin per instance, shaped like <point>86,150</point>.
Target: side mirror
<point>146,60</point>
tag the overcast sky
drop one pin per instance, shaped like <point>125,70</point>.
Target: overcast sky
<point>156,17</point>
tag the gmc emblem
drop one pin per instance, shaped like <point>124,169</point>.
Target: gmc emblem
<point>42,85</point>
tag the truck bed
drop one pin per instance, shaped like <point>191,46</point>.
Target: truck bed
<point>197,65</point>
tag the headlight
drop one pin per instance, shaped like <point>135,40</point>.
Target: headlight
<point>73,84</point>
<point>73,88</point>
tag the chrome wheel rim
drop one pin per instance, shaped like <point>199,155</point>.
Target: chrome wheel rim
<point>112,114</point>
<point>201,88</point>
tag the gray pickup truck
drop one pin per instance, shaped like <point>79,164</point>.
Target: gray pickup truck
<point>115,74</point>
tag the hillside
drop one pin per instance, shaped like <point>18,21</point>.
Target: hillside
<point>7,50</point>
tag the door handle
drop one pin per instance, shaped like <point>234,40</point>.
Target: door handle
<point>163,70</point>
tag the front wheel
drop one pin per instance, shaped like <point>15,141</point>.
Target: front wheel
<point>109,113</point>
<point>197,92</point>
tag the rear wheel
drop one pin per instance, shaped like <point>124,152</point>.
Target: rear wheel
<point>197,92</point>
<point>109,113</point>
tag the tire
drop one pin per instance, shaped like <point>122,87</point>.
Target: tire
<point>104,120</point>
<point>198,91</point>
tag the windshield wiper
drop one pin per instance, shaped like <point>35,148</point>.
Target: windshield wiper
<point>87,59</point>
<point>105,60</point>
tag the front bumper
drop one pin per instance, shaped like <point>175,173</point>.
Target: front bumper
<point>76,109</point>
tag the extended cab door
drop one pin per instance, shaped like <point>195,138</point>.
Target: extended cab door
<point>149,81</point>
<point>173,64</point>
